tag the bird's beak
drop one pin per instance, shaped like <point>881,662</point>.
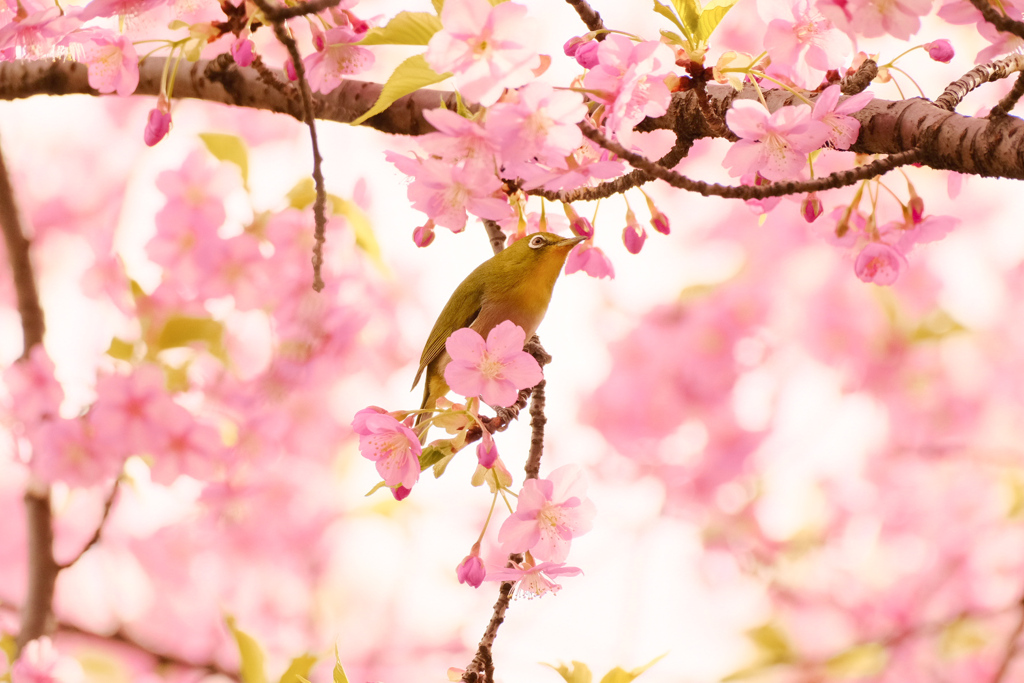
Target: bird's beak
<point>569,242</point>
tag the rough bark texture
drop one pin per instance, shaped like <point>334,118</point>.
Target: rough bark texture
<point>981,146</point>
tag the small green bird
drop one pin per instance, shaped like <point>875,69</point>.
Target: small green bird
<point>515,284</point>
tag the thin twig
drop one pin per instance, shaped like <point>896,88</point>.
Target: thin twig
<point>859,80</point>
<point>1010,100</point>
<point>277,14</point>
<point>589,16</point>
<point>838,179</point>
<point>997,19</point>
<point>956,91</point>
<point>319,206</point>
<point>37,612</point>
<point>537,421</point>
<point>107,505</point>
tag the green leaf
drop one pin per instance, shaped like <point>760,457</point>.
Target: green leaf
<point>441,465</point>
<point>772,644</point>
<point>673,37</point>
<point>666,11</point>
<point>9,646</point>
<point>429,456</point>
<point>620,675</point>
<point>183,330</point>
<point>860,661</point>
<point>689,12</point>
<point>339,672</point>
<point>438,6</point>
<point>251,670</point>
<point>176,24</point>
<point>362,228</point>
<point>963,637</point>
<point>577,673</point>
<point>229,148</point>
<point>379,485</point>
<point>410,76</point>
<point>298,669</point>
<point>120,349</point>
<point>710,16</point>
<point>303,194</point>
<point>406,28</point>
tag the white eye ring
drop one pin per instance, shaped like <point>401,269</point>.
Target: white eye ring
<point>537,241</point>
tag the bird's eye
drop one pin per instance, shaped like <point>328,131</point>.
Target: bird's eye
<point>537,241</point>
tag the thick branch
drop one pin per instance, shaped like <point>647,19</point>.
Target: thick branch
<point>946,140</point>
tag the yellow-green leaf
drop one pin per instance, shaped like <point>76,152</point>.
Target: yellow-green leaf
<point>120,349</point>
<point>298,669</point>
<point>410,76</point>
<point>9,646</point>
<point>438,5</point>
<point>339,672</point>
<point>229,148</point>
<point>406,28</point>
<point>771,643</point>
<point>689,12</point>
<point>712,13</point>
<point>251,669</point>
<point>962,637</point>
<point>577,673</point>
<point>429,456</point>
<point>860,661</point>
<point>303,194</point>
<point>666,11</point>
<point>362,228</point>
<point>620,675</point>
<point>185,330</point>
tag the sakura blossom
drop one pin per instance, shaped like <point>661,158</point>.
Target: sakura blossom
<point>843,129</point>
<point>534,580</point>
<point>539,126</point>
<point>590,259</point>
<point>391,445</point>
<point>113,64</point>
<point>41,662</point>
<point>496,369</point>
<point>485,47</point>
<point>776,144</point>
<point>801,42</point>
<point>336,57</point>
<point>549,514</point>
<point>879,263</point>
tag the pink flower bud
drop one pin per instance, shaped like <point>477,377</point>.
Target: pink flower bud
<point>810,207</point>
<point>319,38</point>
<point>586,54</point>
<point>157,126</point>
<point>486,451</point>
<point>572,45</point>
<point>634,236</point>
<point>400,492</point>
<point>241,51</point>
<point>581,227</point>
<point>659,222</point>
<point>471,570</point>
<point>940,50</point>
<point>424,235</point>
<point>289,69</point>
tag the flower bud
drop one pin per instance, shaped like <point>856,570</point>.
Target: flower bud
<point>241,51</point>
<point>157,126</point>
<point>471,570</point>
<point>572,45</point>
<point>586,54</point>
<point>400,492</point>
<point>810,207</point>
<point>424,235</point>
<point>940,50</point>
<point>289,69</point>
<point>486,451</point>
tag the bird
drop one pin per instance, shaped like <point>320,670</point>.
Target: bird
<point>515,284</point>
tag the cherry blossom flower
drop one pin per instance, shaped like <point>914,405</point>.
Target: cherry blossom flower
<point>458,139</point>
<point>539,126</point>
<point>534,580</point>
<point>775,145</point>
<point>899,18</point>
<point>130,411</point>
<point>630,80</point>
<point>35,35</point>
<point>495,370</point>
<point>35,393</point>
<point>68,451</point>
<point>391,445</point>
<point>485,47</point>
<point>471,570</point>
<point>590,259</point>
<point>40,662</point>
<point>335,58</point>
<point>445,192</point>
<point>111,58</point>
<point>549,514</point>
<point>114,8</point>
<point>843,129</point>
<point>879,263</point>
<point>801,42</point>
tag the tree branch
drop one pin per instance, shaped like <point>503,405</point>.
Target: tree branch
<point>99,528</point>
<point>37,612</point>
<point>1012,646</point>
<point>588,14</point>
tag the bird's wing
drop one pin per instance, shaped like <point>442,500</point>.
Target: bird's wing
<point>435,343</point>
